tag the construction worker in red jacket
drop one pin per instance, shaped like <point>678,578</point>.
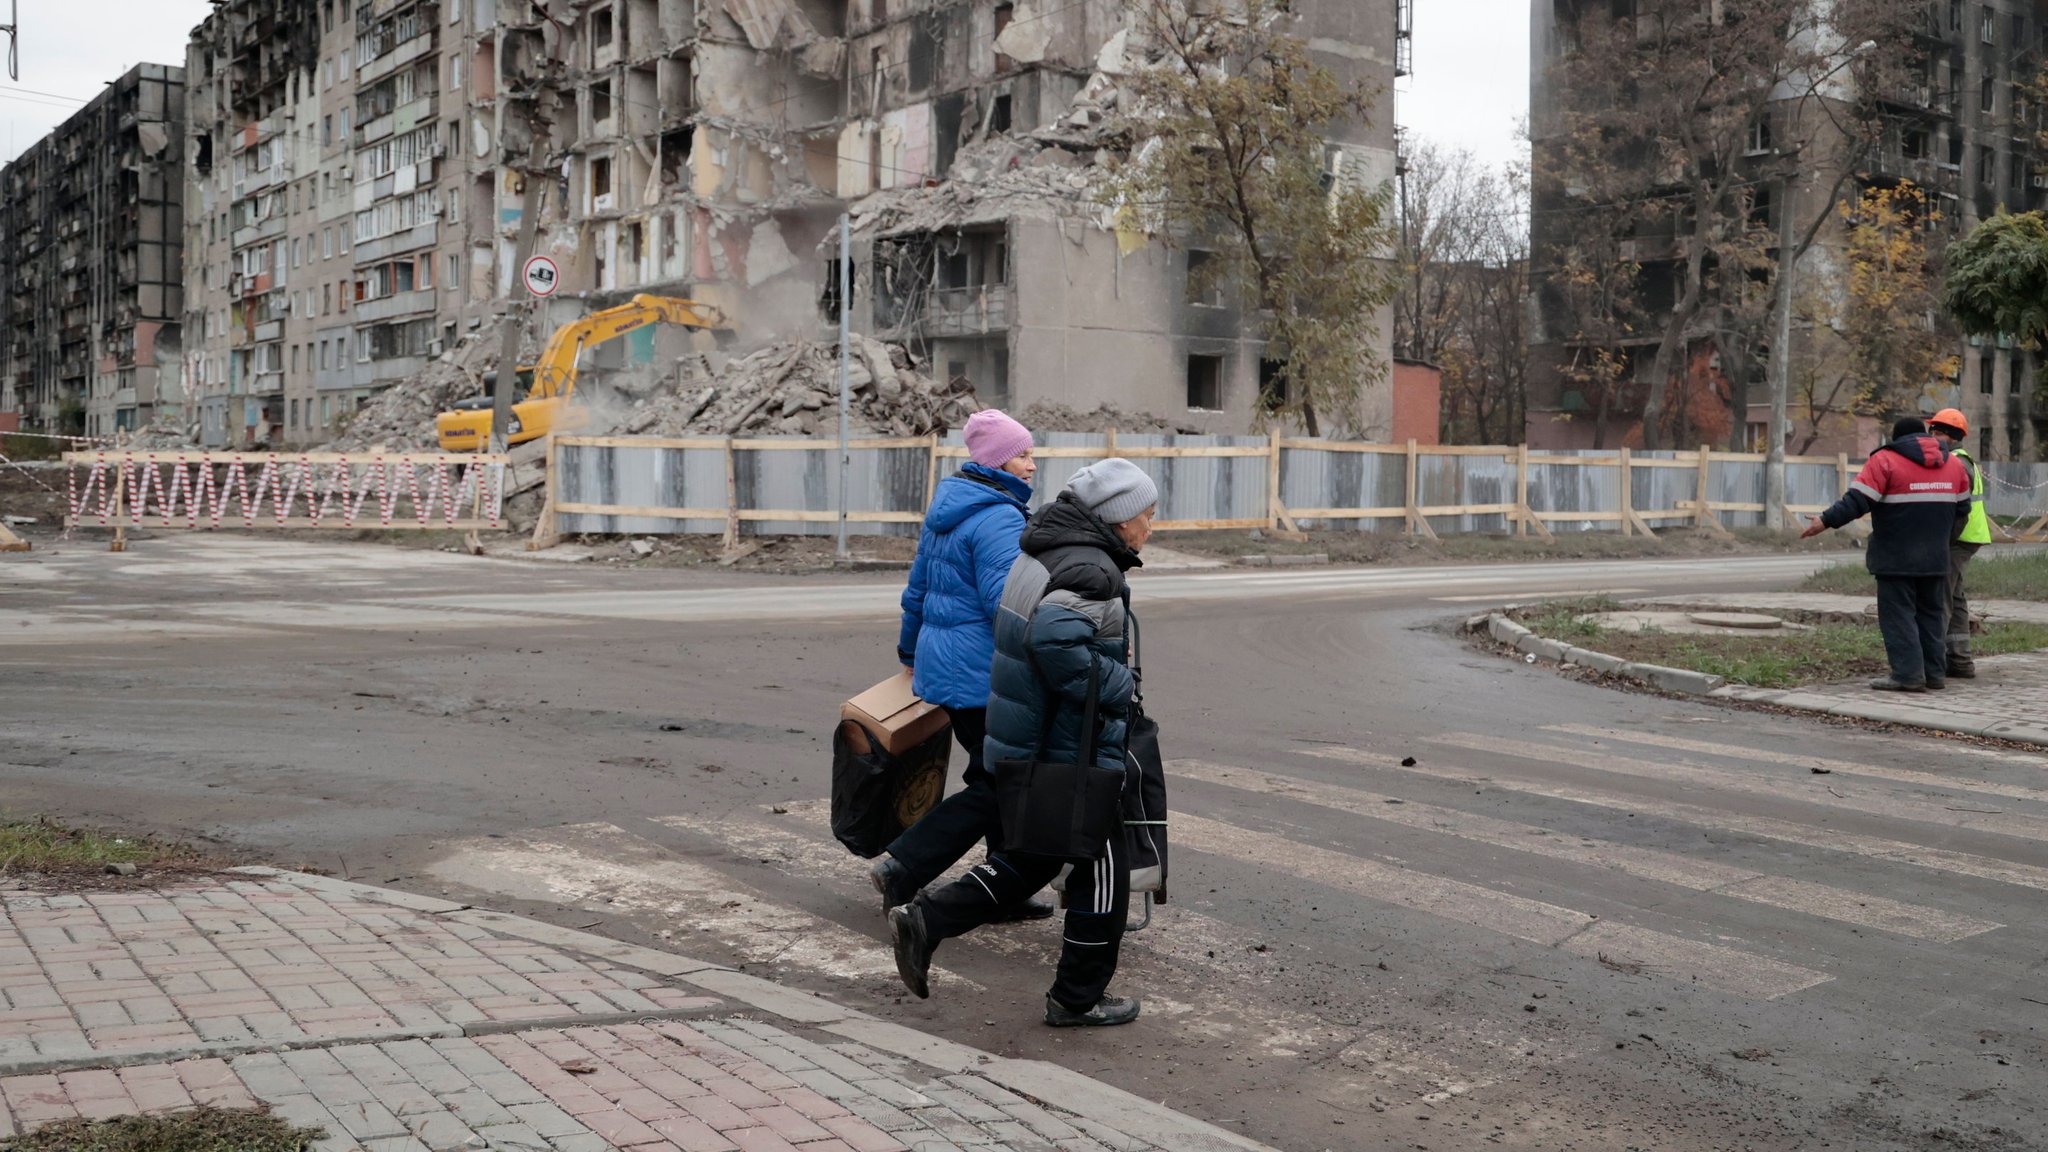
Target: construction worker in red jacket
<point>1918,499</point>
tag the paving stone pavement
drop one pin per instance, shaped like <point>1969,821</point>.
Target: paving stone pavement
<point>2008,699</point>
<point>398,1029</point>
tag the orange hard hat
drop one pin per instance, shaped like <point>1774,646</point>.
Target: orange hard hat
<point>1953,418</point>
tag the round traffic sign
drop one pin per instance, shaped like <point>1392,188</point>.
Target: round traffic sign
<point>542,277</point>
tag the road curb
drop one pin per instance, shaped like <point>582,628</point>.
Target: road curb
<point>1929,715</point>
<point>1071,1091</point>
<point>1680,680</point>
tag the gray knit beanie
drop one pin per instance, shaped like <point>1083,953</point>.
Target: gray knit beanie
<point>1114,489</point>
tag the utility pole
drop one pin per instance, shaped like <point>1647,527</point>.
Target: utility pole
<point>516,301</point>
<point>845,366</point>
<point>1781,366</point>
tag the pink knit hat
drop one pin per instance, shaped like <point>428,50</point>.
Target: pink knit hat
<point>994,439</point>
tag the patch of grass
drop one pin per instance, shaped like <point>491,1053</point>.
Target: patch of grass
<point>1560,619</point>
<point>1825,653</point>
<point>1996,577</point>
<point>206,1130</point>
<point>46,846</point>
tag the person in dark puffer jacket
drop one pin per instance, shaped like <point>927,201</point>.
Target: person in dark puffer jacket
<point>969,544</point>
<point>1064,611</point>
<point>1918,499</point>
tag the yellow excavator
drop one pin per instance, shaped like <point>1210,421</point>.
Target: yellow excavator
<point>542,403</point>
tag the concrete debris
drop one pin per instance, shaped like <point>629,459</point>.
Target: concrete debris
<point>793,390</point>
<point>167,434</point>
<point>1028,35</point>
<point>1000,178</point>
<point>1045,416</point>
<point>402,416</point>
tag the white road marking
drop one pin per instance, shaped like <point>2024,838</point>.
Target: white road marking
<point>1764,827</point>
<point>2024,826</point>
<point>1798,760</point>
<point>608,870</point>
<point>1201,948</point>
<point>1667,867</point>
<point>1709,965</point>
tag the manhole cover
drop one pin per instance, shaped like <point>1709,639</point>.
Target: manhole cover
<point>1747,620</point>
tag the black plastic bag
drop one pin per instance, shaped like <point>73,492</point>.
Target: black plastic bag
<point>1144,806</point>
<point>875,795</point>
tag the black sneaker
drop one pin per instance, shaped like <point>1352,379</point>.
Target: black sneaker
<point>1962,672</point>
<point>1934,685</point>
<point>1028,909</point>
<point>892,880</point>
<point>1108,1012</point>
<point>913,948</point>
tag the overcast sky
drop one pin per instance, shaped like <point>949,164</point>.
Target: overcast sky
<point>1470,87</point>
<point>71,48</point>
<point>1471,83</point>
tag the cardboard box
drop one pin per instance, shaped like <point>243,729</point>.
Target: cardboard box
<point>892,715</point>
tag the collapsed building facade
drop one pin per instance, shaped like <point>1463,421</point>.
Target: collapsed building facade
<point>363,169</point>
<point>90,282</point>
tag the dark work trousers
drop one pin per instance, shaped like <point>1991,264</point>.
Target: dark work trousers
<point>1960,658</point>
<point>948,832</point>
<point>1098,900</point>
<point>1912,612</point>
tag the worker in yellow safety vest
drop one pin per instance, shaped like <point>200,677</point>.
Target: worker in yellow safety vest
<point>1952,428</point>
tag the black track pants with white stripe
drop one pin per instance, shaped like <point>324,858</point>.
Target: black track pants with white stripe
<point>1098,901</point>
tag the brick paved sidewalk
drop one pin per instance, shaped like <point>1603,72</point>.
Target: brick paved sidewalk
<point>2008,700</point>
<point>404,1024</point>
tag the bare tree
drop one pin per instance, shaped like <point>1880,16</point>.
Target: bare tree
<point>1691,120</point>
<point>1235,114</point>
<point>1463,287</point>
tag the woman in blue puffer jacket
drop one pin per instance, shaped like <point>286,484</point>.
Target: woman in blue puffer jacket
<point>970,541</point>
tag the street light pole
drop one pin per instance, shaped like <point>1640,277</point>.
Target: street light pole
<point>845,365</point>
<point>1781,367</point>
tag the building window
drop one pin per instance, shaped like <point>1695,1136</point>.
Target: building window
<point>1760,136</point>
<point>1987,166</point>
<point>425,277</point>
<point>1205,382</point>
<point>1203,289</point>
<point>1985,374</point>
<point>1273,384</point>
<point>1987,27</point>
<point>327,243</point>
<point>1005,13</point>
<point>600,183</point>
<point>1987,96</point>
<point>295,405</point>
<point>600,103</point>
<point>600,30</point>
<point>1955,15</point>
<point>326,411</point>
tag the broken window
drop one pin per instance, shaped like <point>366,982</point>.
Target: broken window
<point>600,183</point>
<point>828,301</point>
<point>1273,386</point>
<point>600,103</point>
<point>600,30</point>
<point>1204,288</point>
<point>1205,382</point>
<point>634,240</point>
<point>999,115</point>
<point>675,156</point>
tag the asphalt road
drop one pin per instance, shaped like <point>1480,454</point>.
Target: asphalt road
<point>1580,918</point>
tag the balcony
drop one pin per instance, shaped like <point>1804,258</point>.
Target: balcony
<point>258,232</point>
<point>972,311</point>
<point>390,307</point>
<point>418,236</point>
<point>413,49</point>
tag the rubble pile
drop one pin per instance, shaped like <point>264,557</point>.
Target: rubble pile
<point>401,417</point>
<point>169,433</point>
<point>1046,416</point>
<point>995,179</point>
<point>793,390</point>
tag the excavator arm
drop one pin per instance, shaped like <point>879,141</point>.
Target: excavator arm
<point>555,371</point>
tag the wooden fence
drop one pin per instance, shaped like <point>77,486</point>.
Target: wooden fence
<point>1275,456</point>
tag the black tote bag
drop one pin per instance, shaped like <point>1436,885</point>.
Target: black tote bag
<point>875,796</point>
<point>1067,811</point>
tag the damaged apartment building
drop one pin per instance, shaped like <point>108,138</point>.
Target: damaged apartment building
<point>362,172</point>
<point>89,262</point>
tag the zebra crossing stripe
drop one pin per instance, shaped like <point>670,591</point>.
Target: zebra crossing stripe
<point>1802,896</point>
<point>1712,966</point>
<point>1797,760</point>
<point>1763,827</point>
<point>2022,826</point>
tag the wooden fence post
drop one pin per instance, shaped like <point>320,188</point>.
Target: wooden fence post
<point>120,543</point>
<point>544,534</point>
<point>1626,500</point>
<point>1709,520</point>
<point>1522,514</point>
<point>931,473</point>
<point>1417,522</point>
<point>732,497</point>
